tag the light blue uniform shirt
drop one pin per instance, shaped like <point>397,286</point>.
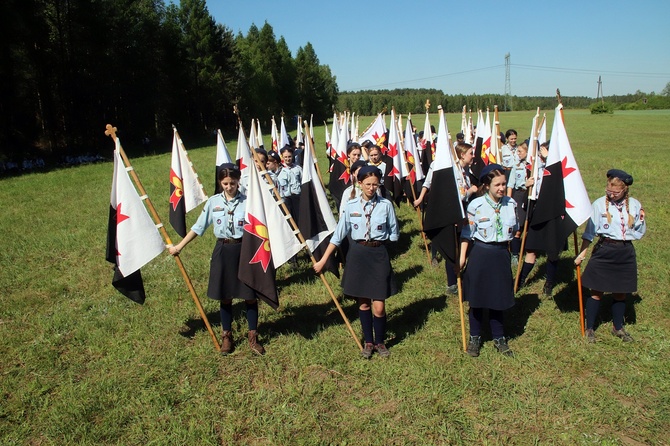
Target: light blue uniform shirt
<point>517,176</point>
<point>482,221</point>
<point>617,228</point>
<point>353,221</point>
<point>227,217</point>
<point>507,153</point>
<point>295,180</point>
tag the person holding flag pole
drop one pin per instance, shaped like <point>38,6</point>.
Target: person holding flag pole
<point>296,230</point>
<point>111,132</point>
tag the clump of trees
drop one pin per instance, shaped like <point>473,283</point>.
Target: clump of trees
<point>67,68</point>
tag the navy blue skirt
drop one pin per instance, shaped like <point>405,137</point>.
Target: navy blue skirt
<point>223,268</point>
<point>612,268</point>
<point>487,280</point>
<point>368,273</point>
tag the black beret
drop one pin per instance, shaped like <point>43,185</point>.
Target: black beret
<point>620,174</point>
<point>261,151</point>
<point>285,148</point>
<point>227,166</point>
<point>274,155</point>
<point>356,165</point>
<point>369,169</point>
<point>488,169</point>
<point>353,144</point>
<point>460,135</point>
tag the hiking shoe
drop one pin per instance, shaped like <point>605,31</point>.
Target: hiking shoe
<point>590,336</point>
<point>227,342</point>
<point>547,289</point>
<point>474,346</point>
<point>367,350</point>
<point>622,334</point>
<point>382,350</point>
<point>515,260</point>
<point>501,345</point>
<point>452,289</point>
<point>255,346</point>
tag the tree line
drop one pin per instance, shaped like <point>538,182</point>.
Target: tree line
<point>371,102</point>
<point>68,67</point>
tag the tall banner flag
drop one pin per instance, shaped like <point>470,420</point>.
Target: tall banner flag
<point>222,156</point>
<point>376,133</point>
<point>399,170</point>
<point>532,155</point>
<point>132,237</point>
<point>426,149</point>
<point>186,192</point>
<point>243,159</point>
<point>443,208</point>
<point>315,221</point>
<point>275,136</point>
<point>416,174</point>
<point>259,134</point>
<point>267,243</point>
<point>253,139</point>
<point>339,173</point>
<point>283,135</point>
<point>563,203</point>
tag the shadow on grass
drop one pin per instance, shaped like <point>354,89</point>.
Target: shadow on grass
<point>517,317</point>
<point>411,318</point>
<point>605,316</point>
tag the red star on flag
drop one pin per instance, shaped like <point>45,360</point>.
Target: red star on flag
<point>564,167</point>
<point>393,151</point>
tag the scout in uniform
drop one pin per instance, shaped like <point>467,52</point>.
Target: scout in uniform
<point>488,282</point>
<point>617,219</point>
<point>517,188</point>
<point>370,222</point>
<point>225,212</point>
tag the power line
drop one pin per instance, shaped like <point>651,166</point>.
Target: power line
<point>432,77</point>
<point>586,71</point>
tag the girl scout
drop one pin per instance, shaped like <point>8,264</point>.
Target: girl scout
<point>370,222</point>
<point>617,219</point>
<point>225,211</point>
<point>488,282</point>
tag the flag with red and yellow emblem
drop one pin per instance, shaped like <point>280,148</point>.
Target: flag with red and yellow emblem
<point>267,243</point>
<point>186,192</point>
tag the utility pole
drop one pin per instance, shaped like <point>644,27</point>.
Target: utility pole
<point>599,95</point>
<point>508,86</point>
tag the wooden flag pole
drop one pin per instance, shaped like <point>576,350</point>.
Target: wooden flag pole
<point>296,231</point>
<point>111,132</point>
<point>461,310</point>
<point>578,267</point>
<point>579,287</point>
<point>524,234</point>
<point>418,211</point>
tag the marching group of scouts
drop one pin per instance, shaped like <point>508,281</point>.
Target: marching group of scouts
<point>490,240</point>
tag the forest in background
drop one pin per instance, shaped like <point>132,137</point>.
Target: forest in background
<point>69,67</point>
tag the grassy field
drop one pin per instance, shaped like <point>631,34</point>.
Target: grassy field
<point>81,364</point>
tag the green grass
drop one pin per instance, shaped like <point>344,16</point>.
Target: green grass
<point>81,364</point>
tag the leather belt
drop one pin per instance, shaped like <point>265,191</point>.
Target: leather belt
<point>371,243</point>
<point>231,241</point>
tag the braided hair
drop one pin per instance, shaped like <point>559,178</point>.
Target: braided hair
<point>614,181</point>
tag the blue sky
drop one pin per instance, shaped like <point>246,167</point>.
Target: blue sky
<point>460,47</point>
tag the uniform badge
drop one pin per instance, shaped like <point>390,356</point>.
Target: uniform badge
<point>379,227</point>
<point>240,222</point>
<point>355,214</point>
<point>484,219</point>
<point>606,226</point>
<point>355,226</point>
<point>509,231</point>
<point>218,221</point>
<point>216,209</point>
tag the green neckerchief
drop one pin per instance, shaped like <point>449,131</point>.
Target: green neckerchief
<point>496,207</point>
